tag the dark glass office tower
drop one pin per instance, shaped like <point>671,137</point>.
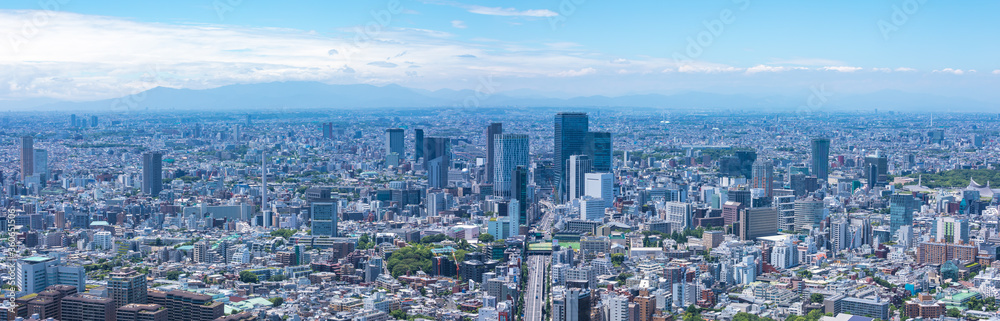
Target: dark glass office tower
<point>599,149</point>
<point>27,156</point>
<point>418,144</point>
<point>519,192</point>
<point>570,138</point>
<point>746,159</point>
<point>152,173</point>
<point>491,131</point>
<point>821,157</point>
<point>394,141</point>
<point>437,158</point>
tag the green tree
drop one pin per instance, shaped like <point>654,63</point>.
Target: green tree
<point>816,298</point>
<point>954,313</point>
<point>277,301</point>
<point>398,314</point>
<point>248,277</point>
<point>617,259</point>
<point>486,238</point>
<point>173,275</point>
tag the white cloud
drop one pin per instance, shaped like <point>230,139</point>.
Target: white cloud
<point>996,72</point>
<point>882,69</point>
<point>576,73</point>
<point>808,62</point>
<point>511,12</point>
<point>458,24</point>
<point>620,61</point>
<point>706,68</point>
<point>950,71</point>
<point>905,69</point>
<point>841,68</point>
<point>766,68</point>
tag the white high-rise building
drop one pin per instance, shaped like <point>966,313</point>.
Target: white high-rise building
<point>840,235</point>
<point>679,215</point>
<point>36,273</point>
<point>103,240</point>
<point>592,209</point>
<point>618,308</point>
<point>600,185</point>
<point>513,214</point>
<point>510,151</point>
<point>578,165</point>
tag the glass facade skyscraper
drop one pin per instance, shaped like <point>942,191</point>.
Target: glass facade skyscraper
<point>570,137</point>
<point>821,157</point>
<point>511,151</point>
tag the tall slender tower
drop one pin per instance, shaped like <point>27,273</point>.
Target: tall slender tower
<point>491,132</point>
<point>152,173</point>
<point>437,160</point>
<point>821,157</point>
<point>263,181</point>
<point>570,137</point>
<point>27,156</point>
<point>511,151</point>
<point>763,177</point>
<point>418,144</point>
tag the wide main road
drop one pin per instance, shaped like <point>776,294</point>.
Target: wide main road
<point>534,299</point>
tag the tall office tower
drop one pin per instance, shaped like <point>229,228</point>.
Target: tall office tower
<point>72,121</point>
<point>679,215</point>
<point>510,151</point>
<point>33,274</point>
<point>876,169</point>
<point>840,235</point>
<point>87,307</point>
<point>324,219</point>
<point>196,133</point>
<point>127,286</point>
<point>746,158</point>
<point>952,230</point>
<point>41,164</point>
<point>27,157</point>
<point>492,131</point>
<point>578,304</point>
<point>785,205</point>
<point>152,173</point>
<point>821,158</point>
<point>418,143</point>
<point>592,209</point>
<point>600,185</point>
<point>808,213</point>
<point>394,141</point>
<point>327,130</point>
<point>93,121</point>
<point>519,192</point>
<point>901,208</point>
<point>577,166</point>
<point>599,148</point>
<point>437,160</point>
<point>731,212</point>
<point>763,177</point>
<point>570,138</point>
<point>514,217</point>
<point>757,222</point>
<point>249,123</point>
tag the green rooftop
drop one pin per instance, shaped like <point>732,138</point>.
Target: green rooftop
<point>37,259</point>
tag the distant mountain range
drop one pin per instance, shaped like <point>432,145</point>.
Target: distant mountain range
<point>310,95</point>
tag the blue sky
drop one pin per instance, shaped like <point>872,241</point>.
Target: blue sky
<point>102,49</point>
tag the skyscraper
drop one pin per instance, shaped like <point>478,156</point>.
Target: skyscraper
<point>519,192</point>
<point>491,131</point>
<point>600,185</point>
<point>418,143</point>
<point>152,173</point>
<point>876,169</point>
<point>821,157</point>
<point>510,151</point>
<point>599,148</point>
<point>808,213</point>
<point>746,158</point>
<point>952,230</point>
<point>570,138</point>
<point>901,208</point>
<point>127,286</point>
<point>763,177</point>
<point>577,168</point>
<point>327,130</point>
<point>394,141</point>
<point>41,164</point>
<point>757,222</point>
<point>27,156</point>
<point>324,219</point>
<point>437,160</point>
